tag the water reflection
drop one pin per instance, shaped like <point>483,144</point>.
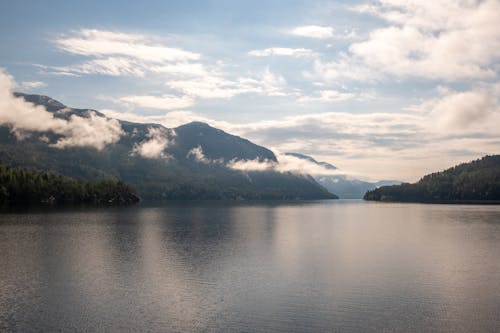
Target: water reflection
<point>319,266</point>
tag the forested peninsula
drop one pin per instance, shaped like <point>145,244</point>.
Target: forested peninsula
<point>474,182</point>
<point>19,186</point>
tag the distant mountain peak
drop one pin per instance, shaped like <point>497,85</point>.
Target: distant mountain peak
<point>57,108</point>
<point>196,124</point>
<point>49,103</point>
<point>217,144</point>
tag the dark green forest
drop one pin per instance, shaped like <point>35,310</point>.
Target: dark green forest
<point>477,181</point>
<point>20,186</point>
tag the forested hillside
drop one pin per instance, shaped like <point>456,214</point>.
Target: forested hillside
<point>477,181</point>
<point>24,187</point>
<point>192,161</point>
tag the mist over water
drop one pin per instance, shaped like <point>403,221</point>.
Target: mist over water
<point>261,267</point>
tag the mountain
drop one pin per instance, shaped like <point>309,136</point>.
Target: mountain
<point>192,161</point>
<point>217,144</point>
<point>343,186</point>
<point>474,182</point>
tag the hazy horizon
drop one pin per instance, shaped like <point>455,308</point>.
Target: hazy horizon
<point>381,89</point>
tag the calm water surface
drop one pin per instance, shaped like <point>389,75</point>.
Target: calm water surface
<point>292,267</point>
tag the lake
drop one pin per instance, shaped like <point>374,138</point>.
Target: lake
<point>252,267</point>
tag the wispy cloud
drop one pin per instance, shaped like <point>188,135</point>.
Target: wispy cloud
<point>198,155</point>
<point>114,53</point>
<point>30,85</point>
<point>282,51</point>
<point>163,102</point>
<point>168,119</point>
<point>285,163</point>
<point>112,66</point>
<point>213,86</point>
<point>313,31</point>
<point>92,42</point>
<point>325,96</point>
<point>121,54</point>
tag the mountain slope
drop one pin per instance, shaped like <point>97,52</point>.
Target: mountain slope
<point>217,144</point>
<point>476,181</point>
<point>187,162</point>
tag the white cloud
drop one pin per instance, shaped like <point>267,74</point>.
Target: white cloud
<point>208,87</point>
<point>164,102</point>
<point>325,96</point>
<point>169,119</point>
<point>30,85</point>
<point>289,163</point>
<point>251,165</point>
<point>465,109</point>
<point>286,163</point>
<point>90,131</point>
<point>92,42</point>
<point>313,31</point>
<point>94,131</point>
<point>182,69</point>
<point>122,54</point>
<point>154,147</point>
<point>112,66</point>
<point>125,54</point>
<point>123,66</point>
<point>282,51</point>
<point>197,154</point>
<point>214,86</point>
<point>439,40</point>
<point>462,112</point>
<point>345,68</point>
<point>270,83</point>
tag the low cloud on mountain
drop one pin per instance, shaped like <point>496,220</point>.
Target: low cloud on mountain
<point>24,118</point>
<point>286,163</point>
<point>158,139</point>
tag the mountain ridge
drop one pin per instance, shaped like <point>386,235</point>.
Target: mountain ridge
<point>190,161</point>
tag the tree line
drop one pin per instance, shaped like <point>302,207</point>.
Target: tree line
<point>20,186</point>
<point>468,182</point>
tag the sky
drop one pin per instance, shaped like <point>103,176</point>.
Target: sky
<point>386,89</point>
